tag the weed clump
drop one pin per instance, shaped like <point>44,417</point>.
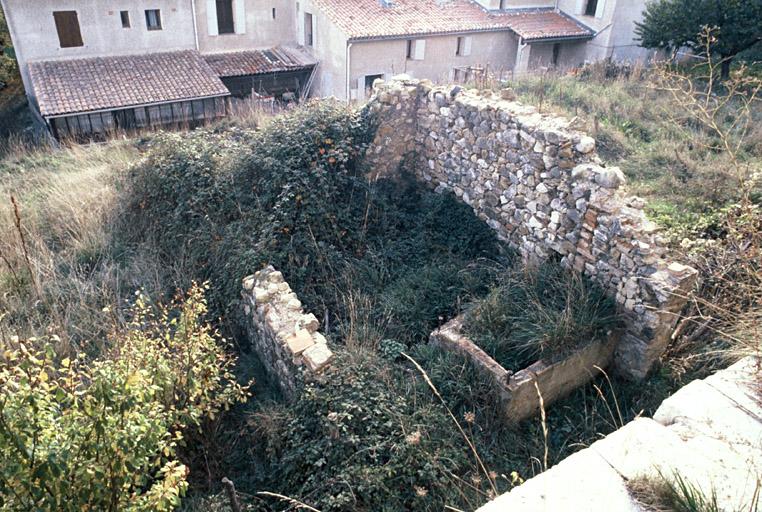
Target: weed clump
<point>539,312</point>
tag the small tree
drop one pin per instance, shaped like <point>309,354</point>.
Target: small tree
<point>673,24</point>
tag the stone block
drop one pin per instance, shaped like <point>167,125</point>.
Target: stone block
<point>583,482</point>
<point>317,357</point>
<point>299,341</point>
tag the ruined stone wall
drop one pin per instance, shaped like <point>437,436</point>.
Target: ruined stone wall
<point>285,338</point>
<point>540,184</point>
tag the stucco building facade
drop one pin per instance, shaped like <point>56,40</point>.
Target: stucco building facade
<point>288,48</point>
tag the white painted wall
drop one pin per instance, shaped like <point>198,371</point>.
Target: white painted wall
<point>35,37</point>
<point>329,48</point>
<point>259,29</point>
<point>615,27</point>
<point>494,49</point>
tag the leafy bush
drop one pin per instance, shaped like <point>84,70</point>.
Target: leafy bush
<point>541,312</point>
<point>218,205</point>
<point>362,442</point>
<point>105,435</point>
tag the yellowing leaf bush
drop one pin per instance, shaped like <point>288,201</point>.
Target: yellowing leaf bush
<point>103,435</point>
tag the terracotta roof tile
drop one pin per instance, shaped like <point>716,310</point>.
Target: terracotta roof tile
<point>254,62</point>
<point>82,85</point>
<point>369,19</point>
<point>546,25</point>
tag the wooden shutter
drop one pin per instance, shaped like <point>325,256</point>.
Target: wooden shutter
<point>420,49</point>
<point>467,45</point>
<point>239,15</point>
<point>67,26</point>
<point>211,17</point>
<point>599,8</point>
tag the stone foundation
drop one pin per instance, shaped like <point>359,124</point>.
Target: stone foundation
<point>285,338</point>
<point>540,184</point>
<point>517,391</point>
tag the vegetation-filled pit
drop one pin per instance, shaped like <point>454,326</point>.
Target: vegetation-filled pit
<point>539,312</point>
<point>368,259</point>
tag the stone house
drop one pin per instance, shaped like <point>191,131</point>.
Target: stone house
<point>90,66</point>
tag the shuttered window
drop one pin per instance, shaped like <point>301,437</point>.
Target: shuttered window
<point>67,26</point>
<point>225,23</point>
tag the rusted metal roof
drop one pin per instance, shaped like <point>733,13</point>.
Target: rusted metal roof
<point>107,83</point>
<point>372,19</point>
<point>255,62</point>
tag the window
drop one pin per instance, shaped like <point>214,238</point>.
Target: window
<point>125,15</point>
<point>416,49</point>
<point>153,19</point>
<point>592,6</point>
<point>67,26</point>
<point>273,12</point>
<point>369,79</point>
<point>464,46</point>
<point>308,35</point>
<point>556,51</point>
<point>225,23</point>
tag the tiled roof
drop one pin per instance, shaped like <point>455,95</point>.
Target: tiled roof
<point>253,62</point>
<point>369,19</point>
<point>546,25</point>
<point>103,83</point>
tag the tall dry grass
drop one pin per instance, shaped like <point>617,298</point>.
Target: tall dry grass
<point>58,266</point>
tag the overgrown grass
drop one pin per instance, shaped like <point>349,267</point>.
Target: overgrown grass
<point>541,312</point>
<point>667,159</point>
<point>58,267</point>
<point>674,493</point>
<point>380,265</point>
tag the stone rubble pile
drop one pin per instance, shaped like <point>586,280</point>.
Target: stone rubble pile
<point>286,339</point>
<point>540,184</point>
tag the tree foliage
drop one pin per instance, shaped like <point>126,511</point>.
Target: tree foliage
<point>673,24</point>
<point>8,66</point>
<point>103,435</point>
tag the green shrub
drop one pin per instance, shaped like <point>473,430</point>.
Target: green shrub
<point>541,312</point>
<point>219,205</point>
<point>365,440</point>
<point>105,435</point>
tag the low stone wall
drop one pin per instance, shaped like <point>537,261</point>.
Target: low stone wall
<point>517,391</point>
<point>285,338</point>
<point>540,184</point>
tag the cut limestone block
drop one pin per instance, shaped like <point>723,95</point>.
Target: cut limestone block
<point>582,482</point>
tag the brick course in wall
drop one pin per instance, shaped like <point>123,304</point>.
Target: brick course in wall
<point>540,184</point>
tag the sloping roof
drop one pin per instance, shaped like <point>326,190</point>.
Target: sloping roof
<point>369,19</point>
<point>254,62</point>
<point>105,83</point>
<point>538,25</point>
